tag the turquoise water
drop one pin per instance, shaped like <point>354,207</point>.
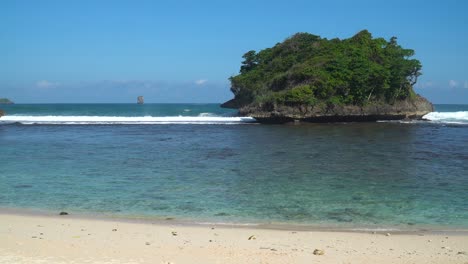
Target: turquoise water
<point>351,175</point>
<point>130,110</point>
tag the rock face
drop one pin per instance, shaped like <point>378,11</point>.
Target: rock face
<point>414,108</point>
<point>2,113</point>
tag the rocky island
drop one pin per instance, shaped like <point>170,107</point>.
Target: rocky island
<point>313,79</point>
<point>5,101</point>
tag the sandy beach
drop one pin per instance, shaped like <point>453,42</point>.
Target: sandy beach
<point>70,239</point>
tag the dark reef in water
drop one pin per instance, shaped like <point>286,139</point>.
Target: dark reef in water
<point>313,79</point>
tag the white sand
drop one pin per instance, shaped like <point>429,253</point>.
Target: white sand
<point>65,239</point>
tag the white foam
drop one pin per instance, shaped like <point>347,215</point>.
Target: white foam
<point>460,117</point>
<point>84,120</point>
<point>206,115</point>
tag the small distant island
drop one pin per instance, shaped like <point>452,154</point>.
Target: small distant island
<point>313,79</point>
<point>5,101</point>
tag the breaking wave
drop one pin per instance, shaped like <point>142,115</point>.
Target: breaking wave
<point>460,117</point>
<point>109,120</point>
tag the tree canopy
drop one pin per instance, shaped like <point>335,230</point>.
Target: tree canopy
<point>308,69</point>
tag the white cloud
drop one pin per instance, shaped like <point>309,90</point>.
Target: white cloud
<point>46,84</point>
<point>453,83</point>
<point>423,85</point>
<point>201,82</point>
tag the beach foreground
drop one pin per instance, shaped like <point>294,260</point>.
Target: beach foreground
<point>67,239</point>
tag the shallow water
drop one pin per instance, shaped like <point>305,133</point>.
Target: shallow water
<point>356,174</point>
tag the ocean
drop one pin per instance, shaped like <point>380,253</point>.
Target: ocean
<point>200,163</point>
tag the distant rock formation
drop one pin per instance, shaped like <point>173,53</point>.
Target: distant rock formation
<point>140,100</point>
<point>404,109</point>
<point>5,101</point>
<point>2,113</point>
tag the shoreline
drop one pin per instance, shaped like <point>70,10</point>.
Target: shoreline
<point>68,239</point>
<point>166,221</point>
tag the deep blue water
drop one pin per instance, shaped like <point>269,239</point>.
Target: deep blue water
<point>355,174</point>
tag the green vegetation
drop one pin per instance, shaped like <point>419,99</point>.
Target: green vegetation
<point>308,69</point>
<point>5,101</point>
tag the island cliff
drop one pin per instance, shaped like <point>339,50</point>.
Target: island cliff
<point>312,79</point>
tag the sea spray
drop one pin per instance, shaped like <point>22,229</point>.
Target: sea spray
<point>460,117</point>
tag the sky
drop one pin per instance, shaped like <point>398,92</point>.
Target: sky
<point>185,51</point>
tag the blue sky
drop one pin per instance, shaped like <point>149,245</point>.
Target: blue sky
<point>184,51</point>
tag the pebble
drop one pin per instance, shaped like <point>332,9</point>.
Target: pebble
<point>252,237</point>
<point>147,243</point>
<point>388,234</point>
<point>114,230</point>
<point>319,252</point>
<point>174,233</point>
<point>461,253</point>
<point>63,213</point>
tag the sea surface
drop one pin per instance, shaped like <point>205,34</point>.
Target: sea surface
<point>201,163</point>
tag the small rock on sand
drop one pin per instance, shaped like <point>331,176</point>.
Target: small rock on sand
<point>252,237</point>
<point>147,243</point>
<point>319,252</point>
<point>174,233</point>
<point>114,230</point>
<point>388,234</point>
<point>63,213</point>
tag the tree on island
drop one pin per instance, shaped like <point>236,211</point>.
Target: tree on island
<point>308,69</point>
